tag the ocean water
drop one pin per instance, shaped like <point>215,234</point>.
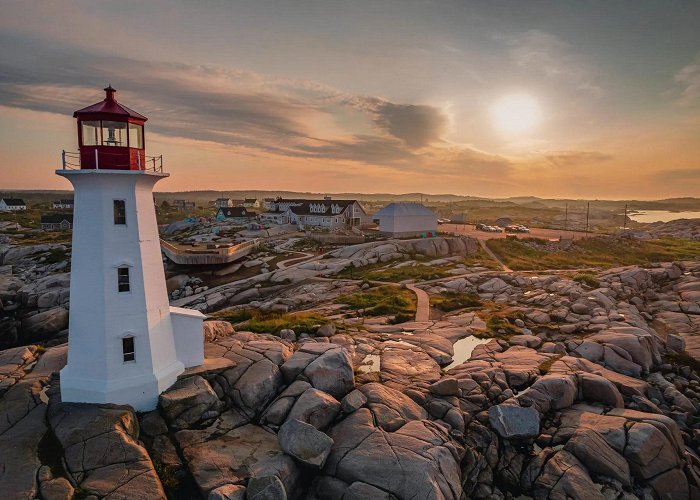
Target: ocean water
<point>662,216</point>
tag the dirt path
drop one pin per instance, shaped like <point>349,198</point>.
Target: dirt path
<point>494,257</point>
<point>293,261</point>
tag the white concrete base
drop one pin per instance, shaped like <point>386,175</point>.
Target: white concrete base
<point>188,333</point>
<point>140,392</point>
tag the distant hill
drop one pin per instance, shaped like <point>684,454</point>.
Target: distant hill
<point>201,197</point>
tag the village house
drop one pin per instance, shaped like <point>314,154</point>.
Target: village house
<point>63,204</point>
<point>251,203</point>
<point>182,205</point>
<point>12,205</point>
<point>326,213</point>
<point>234,213</point>
<point>223,202</point>
<point>406,220</point>
<point>53,222</point>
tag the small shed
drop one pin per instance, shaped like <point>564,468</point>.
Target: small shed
<point>407,220</point>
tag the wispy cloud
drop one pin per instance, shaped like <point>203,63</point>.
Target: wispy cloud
<point>688,78</point>
<point>547,54</point>
<point>570,159</point>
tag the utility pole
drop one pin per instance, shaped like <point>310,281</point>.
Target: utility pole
<point>566,216</point>
<point>588,212</point>
<point>624,225</point>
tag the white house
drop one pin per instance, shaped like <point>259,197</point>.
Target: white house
<point>12,205</point>
<point>223,203</point>
<point>406,220</point>
<point>63,204</point>
<point>325,213</point>
<point>125,343</point>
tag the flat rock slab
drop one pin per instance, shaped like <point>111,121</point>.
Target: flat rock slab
<point>229,458</point>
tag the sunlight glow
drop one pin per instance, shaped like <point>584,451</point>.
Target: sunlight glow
<point>516,114</point>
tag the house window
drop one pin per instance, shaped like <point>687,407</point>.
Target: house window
<point>119,212</point>
<point>123,284</point>
<point>128,349</point>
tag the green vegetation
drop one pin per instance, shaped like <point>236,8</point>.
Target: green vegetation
<point>257,321</point>
<point>587,279</point>
<point>381,301</point>
<point>451,301</point>
<point>55,255</point>
<point>382,272</point>
<point>600,252</point>
<point>306,245</point>
<point>481,259</point>
<point>499,323</point>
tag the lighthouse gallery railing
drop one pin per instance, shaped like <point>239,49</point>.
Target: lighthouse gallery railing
<point>71,161</point>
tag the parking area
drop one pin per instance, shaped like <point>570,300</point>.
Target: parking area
<point>546,234</point>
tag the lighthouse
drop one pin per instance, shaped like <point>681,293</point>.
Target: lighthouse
<point>126,344</point>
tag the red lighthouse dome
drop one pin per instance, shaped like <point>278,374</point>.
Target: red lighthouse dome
<point>110,135</point>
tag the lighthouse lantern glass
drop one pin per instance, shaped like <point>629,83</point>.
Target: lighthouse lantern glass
<point>91,133</point>
<point>135,136</point>
<point>113,133</point>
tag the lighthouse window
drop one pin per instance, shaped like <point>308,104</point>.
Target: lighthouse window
<point>135,136</point>
<point>119,212</point>
<point>113,133</point>
<point>123,284</point>
<point>91,133</point>
<point>128,349</point>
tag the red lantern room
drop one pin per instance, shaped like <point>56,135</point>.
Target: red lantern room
<point>110,136</point>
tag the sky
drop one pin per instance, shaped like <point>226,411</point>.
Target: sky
<point>576,99</point>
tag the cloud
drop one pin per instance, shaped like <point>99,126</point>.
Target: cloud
<point>569,159</point>
<point>255,113</point>
<point>546,54</point>
<point>689,79</point>
<point>416,125</point>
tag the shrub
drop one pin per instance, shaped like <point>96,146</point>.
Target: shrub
<point>587,279</point>
<point>451,301</point>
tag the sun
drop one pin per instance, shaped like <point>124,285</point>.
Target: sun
<point>516,114</point>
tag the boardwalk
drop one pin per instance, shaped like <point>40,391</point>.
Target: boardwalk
<point>422,305</point>
<point>202,254</point>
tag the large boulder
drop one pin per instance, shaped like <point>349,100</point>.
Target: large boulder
<point>316,408</point>
<point>419,460</point>
<point>305,443</point>
<point>514,422</point>
<point>188,401</point>
<point>44,324</point>
<point>327,367</point>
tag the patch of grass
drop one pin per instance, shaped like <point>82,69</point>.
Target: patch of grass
<point>587,279</point>
<point>381,300</point>
<point>451,301</point>
<point>545,366</point>
<point>402,318</point>
<point>256,321</point>
<point>306,245</point>
<point>235,316</point>
<point>382,272</point>
<point>481,259</point>
<point>599,252</point>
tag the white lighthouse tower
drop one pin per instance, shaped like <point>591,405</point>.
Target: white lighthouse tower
<point>125,344</point>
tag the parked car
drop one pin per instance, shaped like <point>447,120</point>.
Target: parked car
<point>517,228</point>
<point>443,221</point>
